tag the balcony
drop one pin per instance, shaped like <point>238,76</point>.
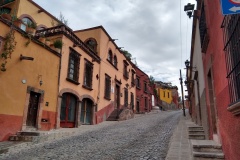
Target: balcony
<point>5,2</point>
<point>66,31</point>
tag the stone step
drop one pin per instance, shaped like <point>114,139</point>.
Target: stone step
<point>196,132</point>
<point>196,136</point>
<point>207,156</point>
<point>206,146</point>
<point>194,128</point>
<point>21,138</point>
<point>28,133</point>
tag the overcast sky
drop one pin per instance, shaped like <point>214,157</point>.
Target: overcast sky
<point>149,29</point>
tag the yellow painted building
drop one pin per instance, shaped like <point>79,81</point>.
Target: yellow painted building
<point>28,81</point>
<point>165,95</point>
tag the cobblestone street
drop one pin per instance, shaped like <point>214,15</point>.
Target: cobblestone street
<point>144,137</point>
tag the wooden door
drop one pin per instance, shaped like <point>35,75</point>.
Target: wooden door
<point>86,111</point>
<point>68,111</point>
<point>117,97</point>
<point>33,109</point>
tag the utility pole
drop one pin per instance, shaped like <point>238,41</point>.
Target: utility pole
<point>182,93</point>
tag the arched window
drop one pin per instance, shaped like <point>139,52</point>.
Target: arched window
<point>110,56</point>
<point>115,61</point>
<point>92,43</point>
<point>25,22</point>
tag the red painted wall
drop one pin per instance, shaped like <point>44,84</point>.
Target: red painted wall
<point>104,113</point>
<point>141,94</point>
<point>9,125</point>
<point>51,120</point>
<point>228,125</point>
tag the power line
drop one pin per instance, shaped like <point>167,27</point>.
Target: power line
<point>180,30</point>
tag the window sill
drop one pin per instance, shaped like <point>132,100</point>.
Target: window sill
<point>72,81</point>
<point>107,98</point>
<point>112,64</point>
<point>125,77</point>
<point>234,109</point>
<point>86,87</point>
<point>138,88</point>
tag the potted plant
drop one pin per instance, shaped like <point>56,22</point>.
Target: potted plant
<point>58,45</point>
<point>42,38</point>
<point>31,27</point>
<point>47,41</point>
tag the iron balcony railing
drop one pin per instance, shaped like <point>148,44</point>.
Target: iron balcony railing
<point>231,38</point>
<point>4,2</point>
<point>62,29</point>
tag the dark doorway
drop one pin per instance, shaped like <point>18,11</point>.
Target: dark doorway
<point>138,107</point>
<point>117,97</point>
<point>86,111</point>
<point>33,109</point>
<point>212,106</point>
<point>68,110</point>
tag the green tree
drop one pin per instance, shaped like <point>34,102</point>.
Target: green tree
<point>152,80</point>
<point>127,54</point>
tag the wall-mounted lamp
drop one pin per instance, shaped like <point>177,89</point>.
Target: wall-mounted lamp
<point>186,82</point>
<point>187,64</point>
<point>120,47</point>
<point>26,58</point>
<point>113,40</point>
<point>189,9</point>
<point>40,80</point>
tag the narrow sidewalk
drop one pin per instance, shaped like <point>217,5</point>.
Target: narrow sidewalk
<point>179,147</point>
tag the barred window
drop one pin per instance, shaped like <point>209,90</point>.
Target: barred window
<point>125,97</point>
<point>231,37</point>
<point>88,74</point>
<point>138,82</point>
<point>145,86</point>
<point>133,78</point>
<point>92,43</point>
<point>110,56</point>
<point>204,37</point>
<point>115,61</point>
<point>125,71</point>
<point>107,94</point>
<point>73,66</point>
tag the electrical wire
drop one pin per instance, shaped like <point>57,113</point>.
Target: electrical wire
<point>180,31</point>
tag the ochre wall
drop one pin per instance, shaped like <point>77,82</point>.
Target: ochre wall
<point>13,91</point>
<point>165,97</point>
<point>26,7</point>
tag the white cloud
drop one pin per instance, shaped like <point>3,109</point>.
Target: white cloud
<point>149,30</point>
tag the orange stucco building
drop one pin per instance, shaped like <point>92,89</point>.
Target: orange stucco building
<point>85,82</point>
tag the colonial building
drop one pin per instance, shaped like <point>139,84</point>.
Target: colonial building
<point>116,88</point>
<point>143,92</point>
<point>168,95</point>
<point>57,77</point>
<point>29,76</point>
<point>212,75</point>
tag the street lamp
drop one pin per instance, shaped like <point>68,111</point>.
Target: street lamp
<point>189,9</point>
<point>182,93</point>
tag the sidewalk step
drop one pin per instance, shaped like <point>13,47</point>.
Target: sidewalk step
<point>206,146</point>
<point>207,156</point>
<point>196,136</point>
<point>28,133</point>
<point>21,138</point>
<point>194,128</point>
<point>196,132</point>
